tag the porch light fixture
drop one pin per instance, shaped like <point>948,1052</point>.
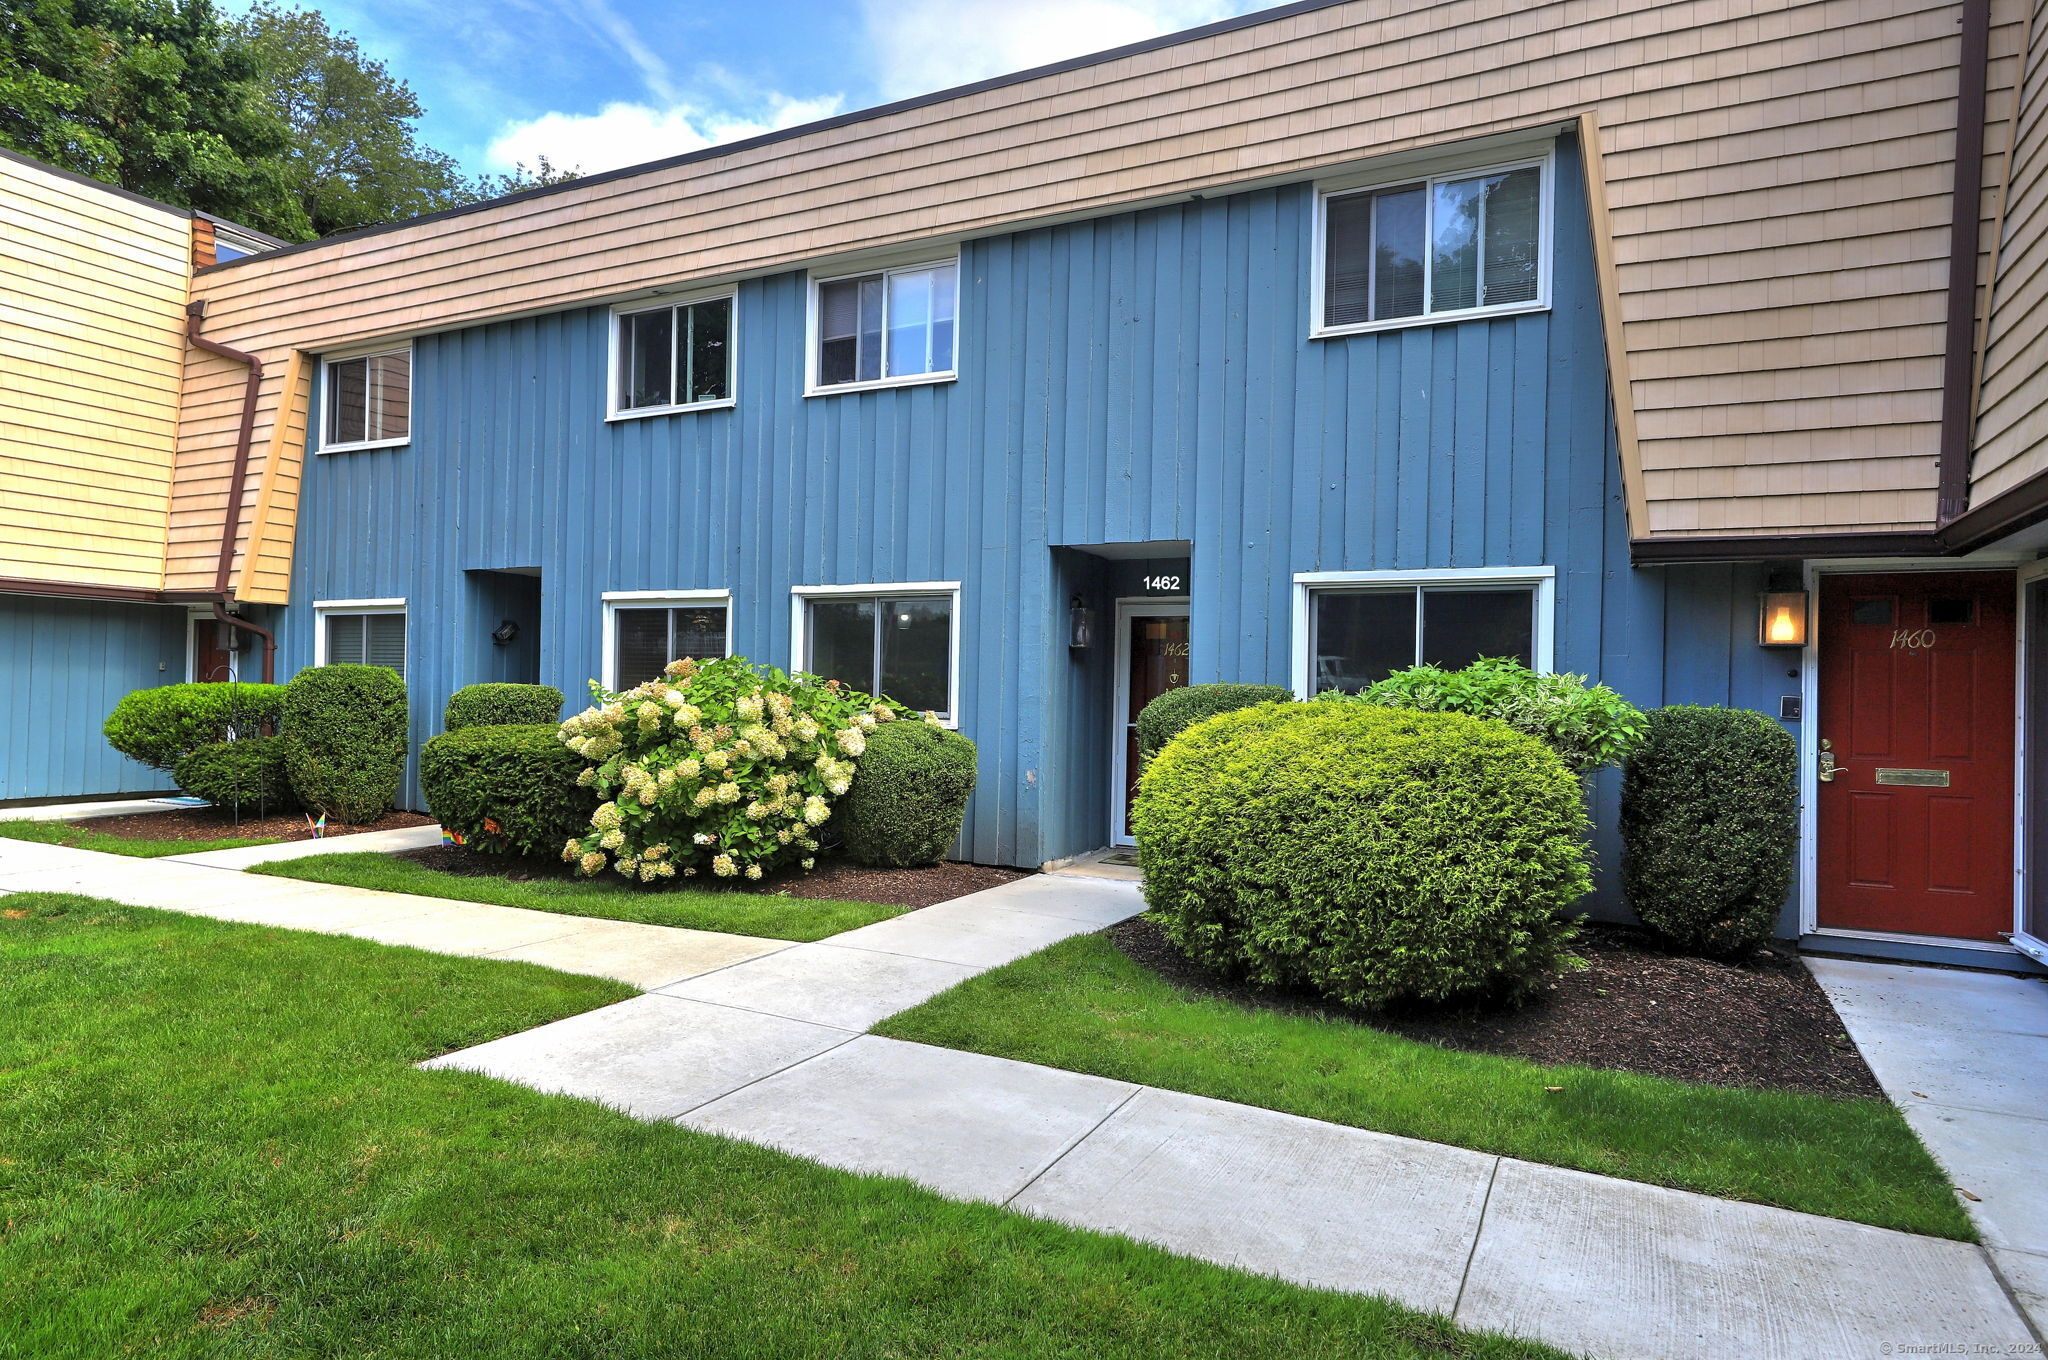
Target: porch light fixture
<point>1080,625</point>
<point>1781,619</point>
<point>505,632</point>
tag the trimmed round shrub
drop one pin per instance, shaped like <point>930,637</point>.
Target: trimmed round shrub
<point>508,789</point>
<point>1372,855</point>
<point>1709,827</point>
<point>909,796</point>
<point>248,772</point>
<point>345,740</point>
<point>159,726</point>
<point>1167,716</point>
<point>497,704</point>
<point>1587,725</point>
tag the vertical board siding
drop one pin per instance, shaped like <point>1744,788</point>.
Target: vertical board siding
<point>69,662</point>
<point>1132,379</point>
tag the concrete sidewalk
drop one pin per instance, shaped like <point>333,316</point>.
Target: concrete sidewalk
<point>763,1040</point>
<point>1965,1056</point>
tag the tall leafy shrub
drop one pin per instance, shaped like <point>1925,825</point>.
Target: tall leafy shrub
<point>1709,826</point>
<point>1368,853</point>
<point>245,773</point>
<point>161,725</point>
<point>345,740</point>
<point>508,788</point>
<point>722,766</point>
<point>1587,725</point>
<point>1172,712</point>
<point>910,796</point>
<point>497,703</point>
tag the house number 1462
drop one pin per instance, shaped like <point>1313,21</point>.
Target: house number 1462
<point>1162,583</point>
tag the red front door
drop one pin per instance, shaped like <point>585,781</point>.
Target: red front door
<point>210,660</point>
<point>1158,661</point>
<point>1916,716</point>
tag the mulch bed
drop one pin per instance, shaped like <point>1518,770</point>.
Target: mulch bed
<point>834,878</point>
<point>1762,1022</point>
<point>211,824</point>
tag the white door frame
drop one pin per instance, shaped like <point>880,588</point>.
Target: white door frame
<point>1809,743</point>
<point>2033,946</point>
<point>204,614</point>
<point>1138,607</point>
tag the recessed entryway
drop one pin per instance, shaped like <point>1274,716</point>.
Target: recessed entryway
<point>1151,658</point>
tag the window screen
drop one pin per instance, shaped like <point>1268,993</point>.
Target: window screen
<point>645,640</point>
<point>366,640</point>
<point>675,356</point>
<point>369,398</point>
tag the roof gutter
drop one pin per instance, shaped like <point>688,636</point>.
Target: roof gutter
<point>1959,356</point>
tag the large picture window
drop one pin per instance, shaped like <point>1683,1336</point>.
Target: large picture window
<point>1452,245</point>
<point>367,400</point>
<point>892,325</point>
<point>368,633</point>
<point>674,357</point>
<point>1356,632</point>
<point>896,643</point>
<point>644,633</point>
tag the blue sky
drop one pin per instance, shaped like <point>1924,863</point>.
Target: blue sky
<point>594,84</point>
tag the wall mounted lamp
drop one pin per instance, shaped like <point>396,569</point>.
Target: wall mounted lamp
<point>1781,619</point>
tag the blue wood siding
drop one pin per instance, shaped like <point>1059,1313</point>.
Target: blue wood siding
<point>1136,378</point>
<point>66,664</point>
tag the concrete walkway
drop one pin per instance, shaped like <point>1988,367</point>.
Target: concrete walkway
<point>383,842</point>
<point>79,812</point>
<point>763,1040</point>
<point>1965,1055</point>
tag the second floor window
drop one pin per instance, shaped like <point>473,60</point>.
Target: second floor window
<point>673,357</point>
<point>1444,246</point>
<point>890,325</point>
<point>368,400</point>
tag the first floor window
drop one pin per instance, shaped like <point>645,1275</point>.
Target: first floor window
<point>365,638</point>
<point>897,646</point>
<point>646,637</point>
<point>1453,244</point>
<point>894,323</point>
<point>1358,636</point>
<point>672,356</point>
<point>369,399</point>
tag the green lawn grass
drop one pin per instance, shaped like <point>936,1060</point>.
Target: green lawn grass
<point>79,838</point>
<point>213,1142</point>
<point>1085,1006</point>
<point>735,911</point>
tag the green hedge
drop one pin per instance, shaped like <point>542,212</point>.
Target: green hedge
<point>1587,725</point>
<point>508,789</point>
<point>345,740</point>
<point>159,726</point>
<point>496,704</point>
<point>1370,854</point>
<point>1167,716</point>
<point>246,773</point>
<point>1709,826</point>
<point>909,797</point>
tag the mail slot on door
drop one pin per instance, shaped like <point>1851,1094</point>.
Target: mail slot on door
<point>1933,779</point>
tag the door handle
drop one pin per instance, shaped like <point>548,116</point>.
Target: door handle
<point>1828,769</point>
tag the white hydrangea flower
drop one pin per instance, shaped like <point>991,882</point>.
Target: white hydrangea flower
<point>809,863</point>
<point>850,741</point>
<point>612,840</point>
<point>723,866</point>
<point>705,838</point>
<point>754,872</point>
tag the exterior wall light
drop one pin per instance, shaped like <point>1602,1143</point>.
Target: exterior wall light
<point>1080,626</point>
<point>1781,619</point>
<point>505,632</point>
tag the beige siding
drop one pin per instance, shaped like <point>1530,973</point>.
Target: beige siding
<point>92,300</point>
<point>1776,179</point>
<point>2012,402</point>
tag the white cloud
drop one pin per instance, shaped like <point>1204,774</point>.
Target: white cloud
<point>627,134</point>
<point>925,45</point>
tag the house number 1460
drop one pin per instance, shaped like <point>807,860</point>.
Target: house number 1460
<point>1162,583</point>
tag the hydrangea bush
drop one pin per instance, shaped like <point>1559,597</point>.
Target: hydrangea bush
<point>717,767</point>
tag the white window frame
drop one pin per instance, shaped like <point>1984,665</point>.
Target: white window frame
<point>1542,580</point>
<point>1429,175</point>
<point>951,373</point>
<point>615,600</point>
<point>800,598</point>
<point>327,363</point>
<point>326,609</point>
<point>614,411</point>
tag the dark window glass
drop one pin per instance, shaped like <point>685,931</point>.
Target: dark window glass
<point>917,648</point>
<point>1347,260</point>
<point>348,401</point>
<point>390,413</point>
<point>366,640</point>
<point>1397,253</point>
<point>1461,626</point>
<point>842,641</point>
<point>838,331</point>
<point>1454,245</point>
<point>646,640</point>
<point>1952,612</point>
<point>345,640</point>
<point>1871,613</point>
<point>1512,236</point>
<point>710,350</point>
<point>1361,637</point>
<point>648,339</point>
<point>887,325</point>
<point>699,633</point>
